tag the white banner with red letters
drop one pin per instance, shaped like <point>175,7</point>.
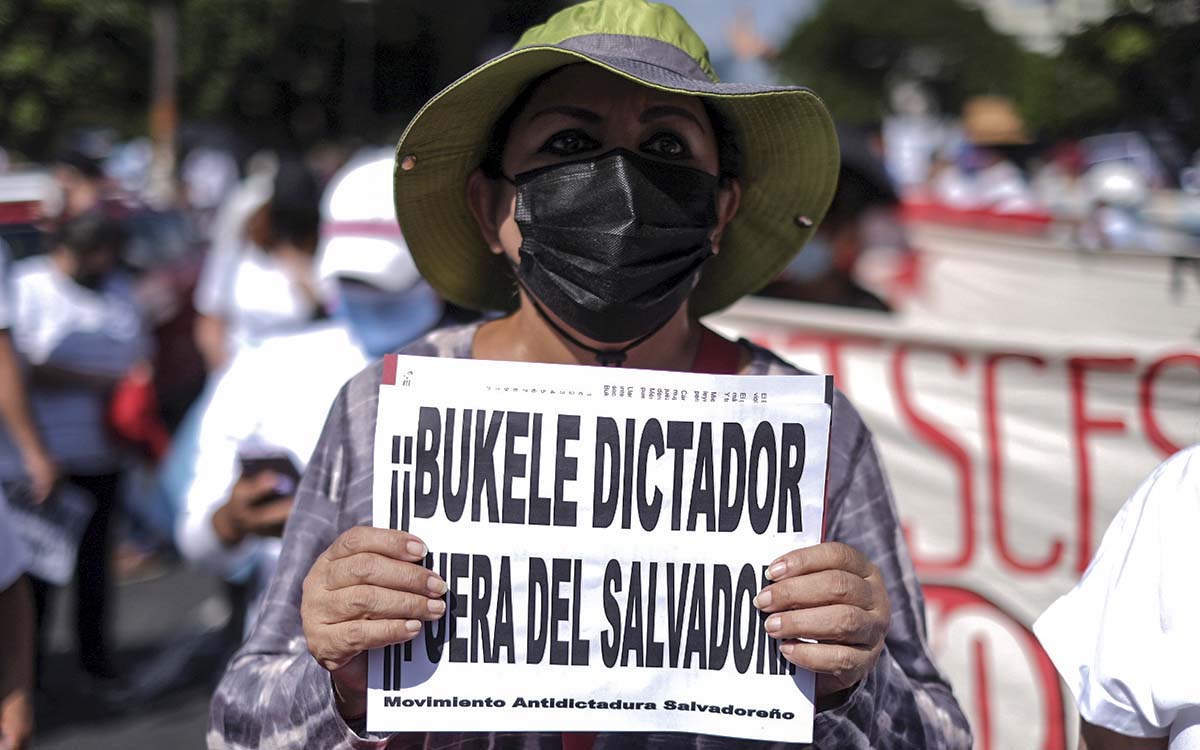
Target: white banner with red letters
<point>1008,457</point>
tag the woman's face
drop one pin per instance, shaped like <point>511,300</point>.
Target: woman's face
<point>582,111</point>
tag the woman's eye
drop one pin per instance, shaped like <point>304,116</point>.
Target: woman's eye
<point>568,143</point>
<point>666,146</point>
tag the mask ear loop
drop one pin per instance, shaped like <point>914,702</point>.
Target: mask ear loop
<point>604,357</point>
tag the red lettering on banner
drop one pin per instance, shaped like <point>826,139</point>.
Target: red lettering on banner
<point>1084,423</point>
<point>1146,399</point>
<point>994,444</point>
<point>982,709</point>
<point>951,607</point>
<point>937,438</point>
<point>833,347</point>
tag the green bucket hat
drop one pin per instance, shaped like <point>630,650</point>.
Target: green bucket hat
<point>789,151</point>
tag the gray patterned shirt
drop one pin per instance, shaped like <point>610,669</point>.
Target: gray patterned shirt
<point>275,695</point>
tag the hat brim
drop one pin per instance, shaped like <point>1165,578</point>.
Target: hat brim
<point>375,260</point>
<point>789,171</point>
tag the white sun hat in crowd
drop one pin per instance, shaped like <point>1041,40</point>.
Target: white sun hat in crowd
<point>360,238</point>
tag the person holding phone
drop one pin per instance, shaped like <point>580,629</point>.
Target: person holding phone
<point>265,412</point>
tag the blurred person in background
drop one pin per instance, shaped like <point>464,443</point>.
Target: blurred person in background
<point>80,182</point>
<point>76,324</point>
<point>1125,639</point>
<point>15,412</point>
<point>983,174</point>
<point>862,216</point>
<point>258,278</point>
<point>16,640</point>
<point>207,177</point>
<point>1116,192</point>
<point>265,412</point>
<point>1058,183</point>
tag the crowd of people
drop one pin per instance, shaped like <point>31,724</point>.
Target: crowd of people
<point>1108,192</point>
<point>292,268</point>
<point>521,219</point>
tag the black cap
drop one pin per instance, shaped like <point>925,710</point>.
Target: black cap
<point>87,165</point>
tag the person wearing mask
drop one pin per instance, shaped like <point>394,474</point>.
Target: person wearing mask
<point>1124,639</point>
<point>257,280</point>
<point>76,325</point>
<point>265,412</point>
<point>539,185</point>
<point>80,186</point>
<point>823,272</point>
<point>16,640</point>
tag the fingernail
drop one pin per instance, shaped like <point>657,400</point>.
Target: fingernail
<point>776,571</point>
<point>763,600</point>
<point>437,607</point>
<point>413,626</point>
<point>415,548</point>
<point>787,648</point>
<point>774,622</point>
<point>435,585</point>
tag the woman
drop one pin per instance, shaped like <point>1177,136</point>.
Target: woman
<point>76,324</point>
<point>258,279</point>
<point>599,184</point>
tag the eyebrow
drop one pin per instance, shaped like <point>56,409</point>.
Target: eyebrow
<point>651,113</point>
<point>578,113</point>
<point>668,110</point>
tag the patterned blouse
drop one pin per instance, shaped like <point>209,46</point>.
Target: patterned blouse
<point>275,695</point>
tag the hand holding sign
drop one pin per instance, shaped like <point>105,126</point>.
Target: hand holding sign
<point>367,590</point>
<point>833,594</point>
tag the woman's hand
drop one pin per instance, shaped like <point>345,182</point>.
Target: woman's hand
<point>834,595</point>
<point>368,590</point>
<point>43,473</point>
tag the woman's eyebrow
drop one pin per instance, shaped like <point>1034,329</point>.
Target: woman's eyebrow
<point>578,113</point>
<point>668,110</point>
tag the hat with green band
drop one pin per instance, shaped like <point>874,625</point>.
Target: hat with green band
<point>789,151</point>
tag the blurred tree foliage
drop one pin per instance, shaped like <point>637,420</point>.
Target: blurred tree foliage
<point>853,52</point>
<point>65,63</point>
<point>1151,61</point>
<point>278,72</point>
<point>1139,68</point>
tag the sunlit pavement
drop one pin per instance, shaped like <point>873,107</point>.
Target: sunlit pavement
<point>169,641</point>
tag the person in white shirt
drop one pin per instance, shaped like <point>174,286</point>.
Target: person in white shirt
<point>76,324</point>
<point>1126,639</point>
<point>16,640</point>
<point>257,279</point>
<point>272,400</point>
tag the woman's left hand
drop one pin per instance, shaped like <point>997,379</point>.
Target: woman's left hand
<point>833,594</point>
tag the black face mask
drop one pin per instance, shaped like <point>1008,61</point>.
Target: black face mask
<point>613,245</point>
<point>92,281</point>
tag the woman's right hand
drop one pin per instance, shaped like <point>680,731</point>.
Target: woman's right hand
<point>367,590</point>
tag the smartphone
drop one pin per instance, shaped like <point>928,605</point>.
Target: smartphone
<point>281,464</point>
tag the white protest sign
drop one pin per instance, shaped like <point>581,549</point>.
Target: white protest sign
<point>52,529</point>
<point>603,533</point>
